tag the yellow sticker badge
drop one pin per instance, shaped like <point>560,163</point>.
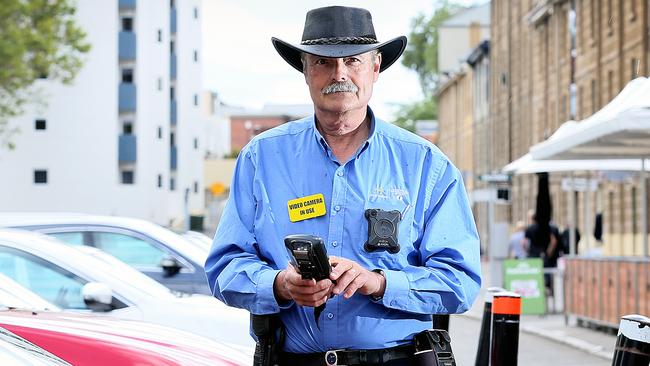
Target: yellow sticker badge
<point>307,207</point>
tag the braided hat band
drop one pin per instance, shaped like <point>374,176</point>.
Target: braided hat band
<point>340,40</point>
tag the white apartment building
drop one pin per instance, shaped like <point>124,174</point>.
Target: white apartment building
<point>126,137</point>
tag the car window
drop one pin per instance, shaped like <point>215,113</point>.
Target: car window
<point>51,282</point>
<point>72,238</point>
<point>131,250</point>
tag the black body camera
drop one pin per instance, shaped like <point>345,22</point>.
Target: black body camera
<point>309,256</point>
<point>383,229</point>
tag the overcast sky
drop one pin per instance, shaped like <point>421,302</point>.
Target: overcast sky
<point>241,65</point>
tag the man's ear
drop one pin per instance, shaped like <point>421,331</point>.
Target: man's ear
<point>377,66</point>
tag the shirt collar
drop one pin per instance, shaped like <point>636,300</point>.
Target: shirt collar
<point>371,135</point>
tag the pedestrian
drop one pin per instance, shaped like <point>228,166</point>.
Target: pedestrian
<point>518,245</point>
<point>345,162</point>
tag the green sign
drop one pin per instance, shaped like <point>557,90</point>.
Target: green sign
<point>526,277</point>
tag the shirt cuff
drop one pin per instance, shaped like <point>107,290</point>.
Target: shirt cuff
<point>266,301</point>
<point>397,290</point>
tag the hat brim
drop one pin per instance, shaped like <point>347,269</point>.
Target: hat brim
<point>390,51</point>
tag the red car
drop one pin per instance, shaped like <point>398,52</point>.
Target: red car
<point>92,340</point>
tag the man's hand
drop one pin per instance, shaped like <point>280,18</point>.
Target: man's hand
<point>289,285</point>
<point>350,277</point>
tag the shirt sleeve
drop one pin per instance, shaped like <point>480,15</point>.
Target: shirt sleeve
<point>449,278</point>
<point>236,274</point>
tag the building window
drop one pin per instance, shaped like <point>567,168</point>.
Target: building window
<point>159,35</point>
<point>172,93</point>
<point>633,10</point>
<point>196,99</point>
<point>196,12</point>
<point>196,187</point>
<point>635,68</point>
<point>196,143</point>
<point>127,76</point>
<point>127,177</point>
<point>160,133</point>
<point>172,184</point>
<point>40,124</point>
<point>160,179</point>
<point>172,47</point>
<point>40,176</point>
<point>196,56</point>
<point>127,24</point>
<point>171,3</point>
<point>160,86</point>
<point>172,139</point>
<point>127,128</point>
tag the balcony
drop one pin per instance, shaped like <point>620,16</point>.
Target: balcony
<point>127,98</point>
<point>172,66</point>
<point>173,112</point>
<point>172,21</point>
<point>127,5</point>
<point>173,158</point>
<point>127,151</point>
<point>127,46</point>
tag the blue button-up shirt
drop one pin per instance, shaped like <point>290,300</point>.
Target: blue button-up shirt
<point>437,269</point>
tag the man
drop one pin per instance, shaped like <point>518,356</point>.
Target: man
<point>518,245</point>
<point>344,161</point>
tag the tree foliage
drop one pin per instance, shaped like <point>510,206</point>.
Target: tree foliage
<point>40,38</point>
<point>421,55</point>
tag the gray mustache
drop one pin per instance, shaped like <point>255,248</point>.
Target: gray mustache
<point>340,87</point>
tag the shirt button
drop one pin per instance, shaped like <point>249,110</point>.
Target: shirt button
<point>330,315</point>
<point>339,173</point>
<point>337,208</point>
<point>334,243</point>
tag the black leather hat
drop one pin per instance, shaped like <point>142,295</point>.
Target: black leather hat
<point>339,31</point>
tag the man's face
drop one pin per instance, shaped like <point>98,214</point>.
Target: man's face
<point>340,85</point>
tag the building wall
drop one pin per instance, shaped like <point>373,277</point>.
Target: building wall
<point>455,43</point>
<point>79,147</point>
<point>455,124</point>
<point>532,75</point>
<point>244,128</point>
<point>191,122</point>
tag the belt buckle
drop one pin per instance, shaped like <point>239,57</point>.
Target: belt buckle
<point>332,359</point>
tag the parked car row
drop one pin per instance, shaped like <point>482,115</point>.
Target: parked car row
<point>64,272</point>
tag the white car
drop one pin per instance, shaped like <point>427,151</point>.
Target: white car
<point>160,253</point>
<point>86,279</point>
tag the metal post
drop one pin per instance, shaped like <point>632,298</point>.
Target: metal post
<point>506,310</point>
<point>441,321</point>
<point>633,342</point>
<point>483,352</point>
<point>588,234</point>
<point>572,219</point>
<point>492,246</point>
<point>644,205</point>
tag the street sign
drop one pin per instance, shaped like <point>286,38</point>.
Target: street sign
<point>525,277</point>
<point>579,184</point>
<point>494,178</point>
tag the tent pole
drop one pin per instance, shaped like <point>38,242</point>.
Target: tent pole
<point>644,211</point>
<point>572,217</point>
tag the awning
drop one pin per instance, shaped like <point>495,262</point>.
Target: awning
<point>620,130</point>
<point>527,165</point>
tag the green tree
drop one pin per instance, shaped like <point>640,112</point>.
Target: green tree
<point>421,55</point>
<point>38,38</point>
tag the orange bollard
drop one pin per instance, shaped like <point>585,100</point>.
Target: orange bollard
<point>506,310</point>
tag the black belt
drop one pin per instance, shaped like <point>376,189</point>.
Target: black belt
<point>347,356</point>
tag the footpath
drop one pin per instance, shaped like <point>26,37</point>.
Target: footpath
<point>557,328</point>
